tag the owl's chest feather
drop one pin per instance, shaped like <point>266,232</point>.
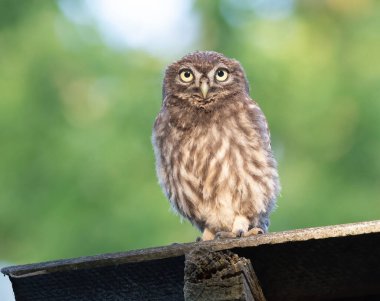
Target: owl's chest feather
<point>207,148</point>
<point>216,155</point>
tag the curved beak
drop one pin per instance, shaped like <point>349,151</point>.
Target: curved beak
<point>204,89</point>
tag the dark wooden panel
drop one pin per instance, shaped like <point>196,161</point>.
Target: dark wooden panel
<point>327,269</point>
<point>149,280</point>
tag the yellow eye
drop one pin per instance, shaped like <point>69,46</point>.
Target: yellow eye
<point>221,75</point>
<point>186,76</point>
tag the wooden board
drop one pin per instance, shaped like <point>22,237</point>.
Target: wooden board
<point>324,263</point>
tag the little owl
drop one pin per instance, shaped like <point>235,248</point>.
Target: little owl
<point>212,145</point>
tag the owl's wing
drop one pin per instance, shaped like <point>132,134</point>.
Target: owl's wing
<point>266,132</point>
<point>260,123</point>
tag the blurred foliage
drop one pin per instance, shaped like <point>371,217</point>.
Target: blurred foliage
<point>76,163</point>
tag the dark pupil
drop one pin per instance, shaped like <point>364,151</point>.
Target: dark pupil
<point>187,74</point>
<point>220,73</point>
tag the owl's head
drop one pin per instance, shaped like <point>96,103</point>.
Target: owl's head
<point>203,78</point>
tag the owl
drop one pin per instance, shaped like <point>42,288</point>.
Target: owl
<point>212,146</point>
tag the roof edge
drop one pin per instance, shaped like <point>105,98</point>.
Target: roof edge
<point>176,250</point>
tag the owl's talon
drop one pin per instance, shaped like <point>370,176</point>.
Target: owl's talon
<point>224,234</point>
<point>240,233</point>
<point>253,231</point>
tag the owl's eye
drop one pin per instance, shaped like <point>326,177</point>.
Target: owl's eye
<point>186,76</point>
<point>221,75</point>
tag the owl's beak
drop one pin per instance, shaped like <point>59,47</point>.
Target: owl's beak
<point>204,89</point>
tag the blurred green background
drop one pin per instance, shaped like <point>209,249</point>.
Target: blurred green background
<point>77,106</point>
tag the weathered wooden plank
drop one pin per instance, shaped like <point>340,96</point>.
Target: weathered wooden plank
<point>220,276</point>
<point>181,249</point>
<point>325,263</point>
<point>252,281</point>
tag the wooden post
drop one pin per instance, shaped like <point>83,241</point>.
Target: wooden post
<point>220,276</point>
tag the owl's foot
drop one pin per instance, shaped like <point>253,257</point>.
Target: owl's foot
<point>225,234</point>
<point>253,231</point>
<point>207,235</point>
